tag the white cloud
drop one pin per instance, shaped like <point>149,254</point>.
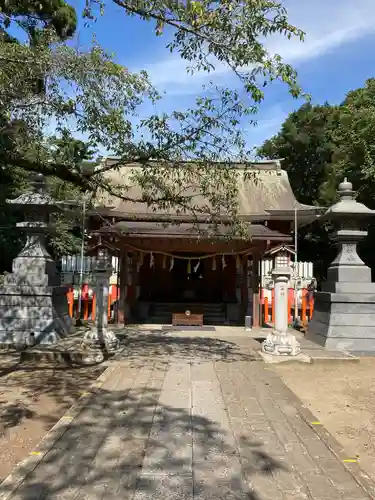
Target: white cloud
<point>171,74</point>
<point>328,24</point>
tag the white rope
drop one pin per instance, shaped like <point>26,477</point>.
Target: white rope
<point>191,257</point>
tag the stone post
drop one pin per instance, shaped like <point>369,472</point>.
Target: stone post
<point>280,342</point>
<point>100,336</point>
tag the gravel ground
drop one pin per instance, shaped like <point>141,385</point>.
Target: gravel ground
<point>32,398</point>
<point>343,397</point>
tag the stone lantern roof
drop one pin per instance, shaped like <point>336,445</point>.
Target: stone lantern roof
<point>37,196</point>
<point>347,205</point>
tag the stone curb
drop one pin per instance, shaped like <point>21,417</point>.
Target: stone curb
<point>359,475</point>
<point>12,482</point>
<point>83,358</point>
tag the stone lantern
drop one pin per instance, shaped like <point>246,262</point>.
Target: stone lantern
<point>33,303</point>
<point>100,336</point>
<point>281,342</point>
<point>344,311</point>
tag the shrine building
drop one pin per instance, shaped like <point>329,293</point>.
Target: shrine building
<point>168,263</point>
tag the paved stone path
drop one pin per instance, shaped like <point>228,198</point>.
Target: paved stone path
<point>190,419</point>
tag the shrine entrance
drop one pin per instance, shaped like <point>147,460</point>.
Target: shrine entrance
<point>221,286</point>
<point>187,279</point>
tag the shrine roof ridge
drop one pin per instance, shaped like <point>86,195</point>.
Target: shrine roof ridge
<point>261,164</point>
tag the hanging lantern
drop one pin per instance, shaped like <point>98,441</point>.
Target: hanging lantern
<point>171,265</point>
<point>189,267</point>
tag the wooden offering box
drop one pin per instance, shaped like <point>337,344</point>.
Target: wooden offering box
<point>183,319</point>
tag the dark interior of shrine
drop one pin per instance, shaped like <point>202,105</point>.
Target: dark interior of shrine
<point>199,280</point>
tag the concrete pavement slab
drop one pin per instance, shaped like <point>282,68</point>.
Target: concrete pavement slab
<point>215,428</point>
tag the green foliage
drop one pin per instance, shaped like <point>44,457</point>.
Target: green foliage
<point>91,94</point>
<point>34,22</point>
<point>321,145</point>
<point>231,32</point>
<point>355,136</point>
<point>306,144</point>
<point>12,184</point>
<point>35,18</point>
<point>67,235</point>
<point>45,83</point>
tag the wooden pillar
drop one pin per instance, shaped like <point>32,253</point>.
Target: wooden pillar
<point>244,288</point>
<point>109,306</point>
<point>85,307</point>
<point>311,305</point>
<point>303,311</point>
<point>255,287</point>
<point>266,316</point>
<point>289,314</point>
<point>134,281</point>
<point>121,316</point>
<point>71,301</point>
<point>93,312</point>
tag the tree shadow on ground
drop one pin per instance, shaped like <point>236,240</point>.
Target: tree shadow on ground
<point>127,440</point>
<point>13,413</point>
<point>22,385</point>
<point>30,380</point>
<point>9,362</point>
<point>161,344</point>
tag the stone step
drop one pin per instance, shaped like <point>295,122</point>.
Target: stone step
<point>161,312</point>
<point>167,319</point>
<point>207,314</point>
<point>183,307</point>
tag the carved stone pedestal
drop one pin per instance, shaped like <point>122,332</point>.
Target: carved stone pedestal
<point>281,344</point>
<point>106,339</point>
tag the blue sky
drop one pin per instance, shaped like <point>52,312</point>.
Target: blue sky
<point>337,56</point>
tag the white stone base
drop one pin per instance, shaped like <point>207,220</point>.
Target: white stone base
<point>270,358</point>
<point>93,358</point>
<point>107,337</point>
<point>281,344</point>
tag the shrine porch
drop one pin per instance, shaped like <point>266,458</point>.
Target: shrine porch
<point>219,281</point>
